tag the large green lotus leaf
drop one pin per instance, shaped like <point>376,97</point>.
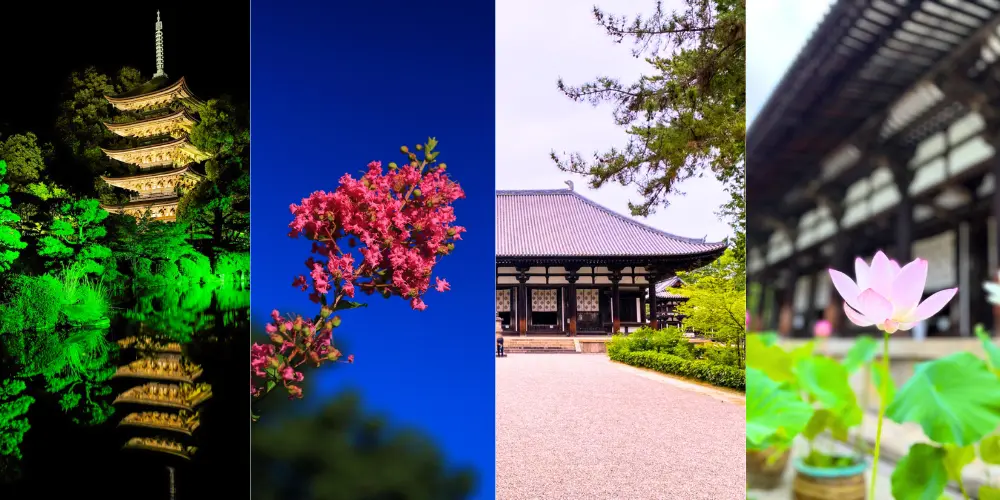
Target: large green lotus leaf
<point>956,458</point>
<point>828,382</point>
<point>772,360</point>
<point>775,414</point>
<point>921,474</point>
<point>989,493</point>
<point>822,420</point>
<point>884,384</point>
<point>989,449</point>
<point>992,350</point>
<point>955,399</point>
<point>862,352</point>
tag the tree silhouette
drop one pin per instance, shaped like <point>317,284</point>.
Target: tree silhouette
<point>341,453</point>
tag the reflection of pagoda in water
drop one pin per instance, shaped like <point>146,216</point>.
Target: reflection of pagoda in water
<point>164,155</point>
<point>164,416</point>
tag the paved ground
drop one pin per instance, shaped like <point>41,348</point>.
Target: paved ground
<point>577,426</point>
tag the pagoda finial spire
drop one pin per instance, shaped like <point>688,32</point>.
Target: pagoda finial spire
<point>159,48</point>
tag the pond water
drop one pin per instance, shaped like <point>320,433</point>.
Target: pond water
<point>195,339</point>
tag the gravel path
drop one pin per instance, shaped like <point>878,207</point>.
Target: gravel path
<point>577,426</point>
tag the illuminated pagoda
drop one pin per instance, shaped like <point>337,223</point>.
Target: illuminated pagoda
<point>566,265</point>
<point>160,116</point>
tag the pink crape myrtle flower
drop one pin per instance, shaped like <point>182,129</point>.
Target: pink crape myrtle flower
<point>822,329</point>
<point>887,296</point>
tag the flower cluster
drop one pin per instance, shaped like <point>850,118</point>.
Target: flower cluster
<point>294,343</point>
<point>382,233</point>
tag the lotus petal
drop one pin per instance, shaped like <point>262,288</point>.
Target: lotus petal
<point>856,317</point>
<point>846,288</point>
<point>908,286</point>
<point>881,275</point>
<point>874,306</point>
<point>862,272</point>
<point>933,304</point>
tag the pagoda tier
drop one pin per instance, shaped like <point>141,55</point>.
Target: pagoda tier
<point>157,184</point>
<point>183,422</point>
<point>176,125</point>
<point>183,396</point>
<point>154,95</point>
<point>161,445</point>
<point>162,210</point>
<point>146,344</point>
<point>176,152</point>
<point>163,367</point>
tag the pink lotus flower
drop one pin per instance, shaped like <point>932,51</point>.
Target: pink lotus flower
<point>888,296</point>
<point>822,329</point>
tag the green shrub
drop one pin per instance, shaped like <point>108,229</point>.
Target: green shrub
<point>718,354</point>
<point>705,371</point>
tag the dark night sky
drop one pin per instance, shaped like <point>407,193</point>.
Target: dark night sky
<point>207,42</point>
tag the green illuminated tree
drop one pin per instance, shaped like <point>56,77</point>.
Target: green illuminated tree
<point>75,236</point>
<point>685,118</point>
<point>13,425</point>
<point>25,159</point>
<point>82,133</point>
<point>81,377</point>
<point>218,209</point>
<point>343,453</point>
<point>717,301</point>
<point>10,237</point>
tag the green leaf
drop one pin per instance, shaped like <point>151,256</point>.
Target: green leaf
<point>955,399</point>
<point>992,350</point>
<point>886,393</point>
<point>921,474</point>
<point>989,493</point>
<point>989,449</point>
<point>349,304</point>
<point>828,382</point>
<point>775,362</point>
<point>862,352</point>
<point>956,458</point>
<point>775,415</point>
<point>822,420</point>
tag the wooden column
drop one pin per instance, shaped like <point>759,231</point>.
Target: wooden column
<point>653,323</point>
<point>571,300</point>
<point>616,314</point>
<point>980,308</point>
<point>522,301</point>
<point>897,162</point>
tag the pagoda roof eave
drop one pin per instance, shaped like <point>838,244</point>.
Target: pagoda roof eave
<point>180,84</point>
<point>119,128</point>
<point>185,170</point>
<point>150,147</point>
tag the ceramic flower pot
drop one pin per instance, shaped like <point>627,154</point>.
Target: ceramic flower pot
<point>764,472</point>
<point>829,483</point>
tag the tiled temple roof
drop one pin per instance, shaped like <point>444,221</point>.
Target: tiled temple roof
<point>663,288</point>
<point>562,223</point>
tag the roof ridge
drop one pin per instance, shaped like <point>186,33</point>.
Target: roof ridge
<point>624,218</point>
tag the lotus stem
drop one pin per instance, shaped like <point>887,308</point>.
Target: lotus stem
<point>881,414</point>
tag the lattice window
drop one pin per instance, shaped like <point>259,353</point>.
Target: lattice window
<point>544,301</point>
<point>503,300</point>
<point>587,300</point>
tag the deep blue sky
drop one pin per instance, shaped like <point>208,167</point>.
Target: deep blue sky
<point>335,85</point>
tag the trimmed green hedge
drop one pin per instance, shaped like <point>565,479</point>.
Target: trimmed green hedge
<point>705,371</point>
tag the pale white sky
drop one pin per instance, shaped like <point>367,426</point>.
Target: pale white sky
<point>776,31</point>
<point>536,43</point>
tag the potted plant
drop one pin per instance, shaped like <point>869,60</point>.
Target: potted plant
<point>776,412</point>
<point>828,472</point>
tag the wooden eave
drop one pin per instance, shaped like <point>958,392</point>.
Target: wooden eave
<point>180,84</point>
<point>122,129</point>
